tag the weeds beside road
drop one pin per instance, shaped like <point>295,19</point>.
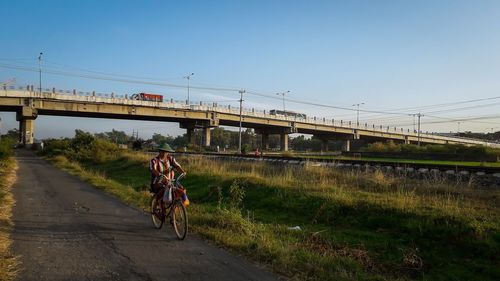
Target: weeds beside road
<point>8,262</point>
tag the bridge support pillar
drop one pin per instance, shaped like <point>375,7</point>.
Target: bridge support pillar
<point>407,140</point>
<point>347,145</point>
<point>284,141</point>
<point>265,141</point>
<point>324,145</point>
<point>26,117</point>
<point>206,137</point>
<point>27,132</point>
<point>190,135</point>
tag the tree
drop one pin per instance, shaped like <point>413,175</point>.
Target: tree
<point>137,144</point>
<point>82,140</point>
<point>114,136</point>
<point>12,134</point>
<point>161,139</point>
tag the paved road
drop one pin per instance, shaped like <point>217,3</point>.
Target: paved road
<point>68,230</point>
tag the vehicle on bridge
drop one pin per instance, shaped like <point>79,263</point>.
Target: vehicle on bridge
<point>287,113</point>
<point>147,97</point>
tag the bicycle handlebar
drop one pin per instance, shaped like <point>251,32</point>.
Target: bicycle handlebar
<point>181,176</point>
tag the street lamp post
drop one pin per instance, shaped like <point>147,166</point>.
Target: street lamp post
<point>283,94</point>
<point>241,119</point>
<point>357,111</point>
<point>418,132</point>
<point>40,71</point>
<point>188,77</point>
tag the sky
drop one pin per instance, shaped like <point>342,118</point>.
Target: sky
<point>395,56</point>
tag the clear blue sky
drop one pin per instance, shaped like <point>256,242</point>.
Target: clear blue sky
<point>387,54</point>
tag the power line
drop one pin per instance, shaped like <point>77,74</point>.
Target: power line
<point>234,90</point>
<point>130,81</point>
<point>323,105</point>
<point>465,119</point>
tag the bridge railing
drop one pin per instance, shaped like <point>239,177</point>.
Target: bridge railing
<point>93,96</point>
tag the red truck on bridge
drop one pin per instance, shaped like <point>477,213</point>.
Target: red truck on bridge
<point>147,97</point>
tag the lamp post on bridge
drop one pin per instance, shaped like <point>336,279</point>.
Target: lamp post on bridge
<point>40,71</point>
<point>241,119</point>
<point>283,94</point>
<point>419,115</point>
<point>188,77</point>
<point>357,111</point>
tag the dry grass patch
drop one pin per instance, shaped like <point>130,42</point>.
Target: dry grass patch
<point>8,262</point>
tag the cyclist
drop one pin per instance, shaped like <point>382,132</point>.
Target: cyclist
<point>162,169</point>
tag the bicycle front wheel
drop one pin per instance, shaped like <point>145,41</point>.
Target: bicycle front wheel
<point>157,214</point>
<point>179,220</point>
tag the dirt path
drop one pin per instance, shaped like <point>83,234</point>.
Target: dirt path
<point>68,230</point>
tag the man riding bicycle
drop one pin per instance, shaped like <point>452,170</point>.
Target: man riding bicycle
<point>162,169</point>
<point>169,200</point>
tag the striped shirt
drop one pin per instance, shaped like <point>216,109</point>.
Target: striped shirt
<point>163,167</point>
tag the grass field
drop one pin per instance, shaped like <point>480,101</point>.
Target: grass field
<point>354,226</point>
<point>8,263</point>
<point>428,162</point>
<point>405,161</point>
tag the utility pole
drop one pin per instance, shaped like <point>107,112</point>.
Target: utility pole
<point>188,77</point>
<point>283,94</point>
<point>241,119</point>
<point>357,111</point>
<point>458,129</point>
<point>40,71</point>
<point>418,136</point>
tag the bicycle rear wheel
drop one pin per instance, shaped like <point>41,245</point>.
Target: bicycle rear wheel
<point>157,214</point>
<point>179,220</point>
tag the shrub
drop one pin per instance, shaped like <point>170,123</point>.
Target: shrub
<point>6,145</point>
<point>103,150</point>
<point>236,194</point>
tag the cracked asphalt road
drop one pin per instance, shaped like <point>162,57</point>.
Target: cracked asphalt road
<point>67,230</point>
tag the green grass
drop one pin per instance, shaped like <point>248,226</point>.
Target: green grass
<point>355,226</point>
<point>410,161</point>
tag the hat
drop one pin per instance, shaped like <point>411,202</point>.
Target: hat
<point>166,147</point>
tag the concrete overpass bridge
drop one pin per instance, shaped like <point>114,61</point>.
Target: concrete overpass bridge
<point>29,104</point>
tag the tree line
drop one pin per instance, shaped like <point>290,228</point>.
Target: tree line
<point>220,137</point>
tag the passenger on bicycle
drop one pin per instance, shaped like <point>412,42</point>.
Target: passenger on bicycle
<point>162,169</point>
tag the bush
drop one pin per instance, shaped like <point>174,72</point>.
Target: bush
<point>6,145</point>
<point>103,150</point>
<point>83,146</point>
<point>477,152</point>
<point>53,147</point>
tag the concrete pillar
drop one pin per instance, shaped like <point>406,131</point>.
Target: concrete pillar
<point>324,145</point>
<point>265,141</point>
<point>206,137</point>
<point>27,131</point>
<point>26,117</point>
<point>284,141</point>
<point>407,140</point>
<point>346,146</point>
<point>190,135</point>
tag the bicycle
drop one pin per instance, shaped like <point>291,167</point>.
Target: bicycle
<point>177,212</point>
